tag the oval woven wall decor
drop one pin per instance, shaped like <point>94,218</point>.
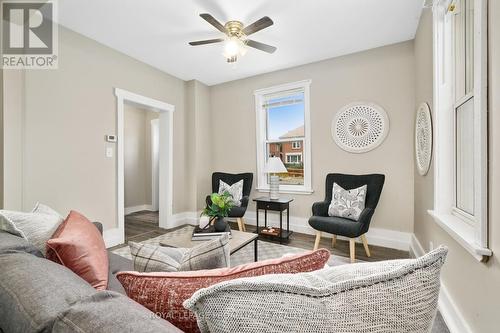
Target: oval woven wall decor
<point>423,139</point>
<point>360,127</point>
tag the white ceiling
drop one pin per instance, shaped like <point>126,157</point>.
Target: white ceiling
<point>157,32</point>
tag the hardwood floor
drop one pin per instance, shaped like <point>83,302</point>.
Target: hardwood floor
<point>143,225</point>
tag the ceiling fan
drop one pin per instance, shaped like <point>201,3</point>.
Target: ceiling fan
<point>236,36</point>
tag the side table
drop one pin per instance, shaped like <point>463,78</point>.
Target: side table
<point>277,205</point>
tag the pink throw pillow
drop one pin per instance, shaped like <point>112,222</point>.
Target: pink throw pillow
<point>78,245</point>
<point>163,293</point>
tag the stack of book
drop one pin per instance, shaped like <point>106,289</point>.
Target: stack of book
<point>209,233</point>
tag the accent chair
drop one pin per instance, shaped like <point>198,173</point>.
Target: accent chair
<point>230,178</point>
<point>322,222</point>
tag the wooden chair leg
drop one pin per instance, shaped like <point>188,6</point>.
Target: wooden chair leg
<point>334,240</point>
<point>352,249</point>
<point>316,242</point>
<point>243,224</point>
<point>240,227</point>
<point>365,244</point>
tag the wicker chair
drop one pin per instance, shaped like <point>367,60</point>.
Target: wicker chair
<point>321,222</point>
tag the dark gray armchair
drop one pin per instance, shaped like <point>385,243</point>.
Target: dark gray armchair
<point>321,222</point>
<point>230,178</point>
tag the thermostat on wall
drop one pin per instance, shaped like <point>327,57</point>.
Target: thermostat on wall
<point>111,138</point>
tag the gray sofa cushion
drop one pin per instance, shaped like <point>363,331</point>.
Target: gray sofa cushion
<point>33,291</point>
<point>391,296</point>
<point>117,264</point>
<point>36,294</point>
<point>10,243</point>
<point>116,313</point>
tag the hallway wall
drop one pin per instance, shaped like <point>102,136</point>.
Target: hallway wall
<point>137,156</point>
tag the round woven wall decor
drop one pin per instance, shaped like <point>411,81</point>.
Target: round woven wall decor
<point>423,139</point>
<point>360,127</point>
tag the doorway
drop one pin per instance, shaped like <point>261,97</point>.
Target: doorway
<point>141,170</point>
<point>164,133</point>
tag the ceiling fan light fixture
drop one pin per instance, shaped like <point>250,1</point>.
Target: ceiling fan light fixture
<point>235,41</point>
<point>234,47</point>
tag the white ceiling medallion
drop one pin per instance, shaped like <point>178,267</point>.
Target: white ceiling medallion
<point>423,138</point>
<point>360,127</point>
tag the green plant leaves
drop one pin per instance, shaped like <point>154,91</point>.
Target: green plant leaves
<point>221,205</point>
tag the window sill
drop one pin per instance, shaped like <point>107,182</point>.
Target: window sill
<point>266,190</point>
<point>462,232</point>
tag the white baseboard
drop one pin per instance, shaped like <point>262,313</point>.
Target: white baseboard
<point>133,209</point>
<point>375,236</point>
<point>416,249</point>
<point>184,218</point>
<point>113,237</point>
<point>451,314</point>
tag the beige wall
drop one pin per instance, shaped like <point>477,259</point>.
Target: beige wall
<point>204,144</point>
<point>384,75</point>
<point>68,112</point>
<point>473,286</point>
<point>137,156</point>
<point>199,138</point>
<point>1,138</point>
<point>13,138</point>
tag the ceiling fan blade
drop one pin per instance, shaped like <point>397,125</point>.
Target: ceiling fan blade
<point>210,19</point>
<point>261,46</point>
<point>258,25</point>
<point>206,41</point>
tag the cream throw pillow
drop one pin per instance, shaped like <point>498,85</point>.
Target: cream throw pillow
<point>36,227</point>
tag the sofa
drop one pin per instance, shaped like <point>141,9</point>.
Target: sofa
<point>38,295</point>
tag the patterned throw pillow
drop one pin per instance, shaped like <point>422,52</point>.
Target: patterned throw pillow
<point>164,293</point>
<point>236,190</point>
<point>36,227</point>
<point>347,203</point>
<point>152,258</point>
<point>207,255</point>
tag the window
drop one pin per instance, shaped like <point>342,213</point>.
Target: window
<point>460,79</point>
<point>283,131</point>
<point>294,158</point>
<point>463,47</point>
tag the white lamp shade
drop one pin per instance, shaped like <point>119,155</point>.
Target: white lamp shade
<point>275,165</point>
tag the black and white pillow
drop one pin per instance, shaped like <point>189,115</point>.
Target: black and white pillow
<point>347,203</point>
<point>236,191</point>
<point>207,255</point>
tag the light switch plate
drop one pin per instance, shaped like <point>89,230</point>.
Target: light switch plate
<point>109,152</point>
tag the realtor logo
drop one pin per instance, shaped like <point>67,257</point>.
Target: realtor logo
<point>29,35</point>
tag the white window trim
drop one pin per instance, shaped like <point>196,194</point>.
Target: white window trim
<point>296,144</point>
<point>473,237</point>
<point>259,94</point>
<point>293,154</point>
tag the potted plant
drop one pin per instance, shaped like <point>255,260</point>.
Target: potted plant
<point>219,209</point>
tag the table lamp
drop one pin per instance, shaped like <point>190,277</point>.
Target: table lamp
<point>274,166</point>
